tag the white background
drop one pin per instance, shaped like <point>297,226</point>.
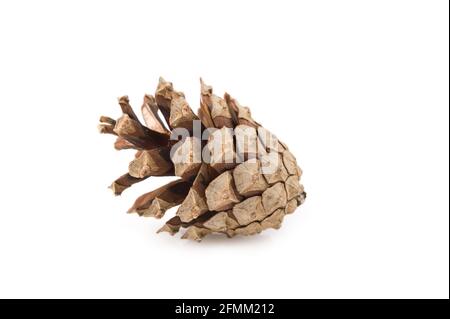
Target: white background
<point>357,89</point>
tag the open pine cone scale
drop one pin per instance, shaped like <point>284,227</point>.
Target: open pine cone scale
<point>236,178</point>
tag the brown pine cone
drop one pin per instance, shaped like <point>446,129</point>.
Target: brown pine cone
<point>236,178</point>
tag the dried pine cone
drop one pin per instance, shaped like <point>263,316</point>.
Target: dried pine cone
<point>236,178</point>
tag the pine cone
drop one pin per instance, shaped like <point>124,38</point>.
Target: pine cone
<point>236,178</point>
